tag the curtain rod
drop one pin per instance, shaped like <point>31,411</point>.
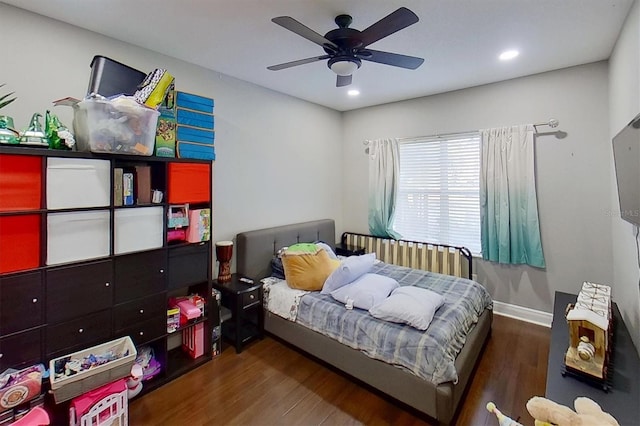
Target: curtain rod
<point>552,122</point>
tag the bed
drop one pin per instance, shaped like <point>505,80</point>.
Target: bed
<point>255,250</point>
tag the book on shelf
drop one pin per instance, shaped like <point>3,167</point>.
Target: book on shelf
<point>117,186</point>
<point>199,225</point>
<point>143,184</point>
<point>127,189</point>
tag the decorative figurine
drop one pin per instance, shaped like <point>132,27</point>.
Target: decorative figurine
<point>58,134</point>
<point>34,135</point>
<point>8,134</point>
<point>590,333</point>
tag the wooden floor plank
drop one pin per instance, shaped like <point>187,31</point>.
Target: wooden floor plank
<point>270,383</point>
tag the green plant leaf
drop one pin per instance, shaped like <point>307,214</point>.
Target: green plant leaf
<point>3,102</point>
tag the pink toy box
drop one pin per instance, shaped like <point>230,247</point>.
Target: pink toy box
<point>193,340</point>
<point>188,311</point>
<point>104,406</point>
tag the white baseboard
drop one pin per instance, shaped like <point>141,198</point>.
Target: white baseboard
<point>523,314</point>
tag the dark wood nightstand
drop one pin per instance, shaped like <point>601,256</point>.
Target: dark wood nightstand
<point>244,299</point>
<point>344,249</point>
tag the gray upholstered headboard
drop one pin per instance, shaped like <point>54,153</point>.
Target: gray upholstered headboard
<point>255,249</point>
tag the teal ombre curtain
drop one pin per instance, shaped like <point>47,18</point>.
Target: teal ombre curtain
<point>384,163</point>
<point>510,229</point>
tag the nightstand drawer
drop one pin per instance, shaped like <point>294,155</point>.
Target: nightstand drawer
<point>251,298</point>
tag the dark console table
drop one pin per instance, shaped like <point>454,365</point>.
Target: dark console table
<point>623,399</point>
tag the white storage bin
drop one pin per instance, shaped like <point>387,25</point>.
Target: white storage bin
<point>78,182</point>
<point>138,228</point>
<point>117,127</point>
<point>77,236</point>
<point>66,387</point>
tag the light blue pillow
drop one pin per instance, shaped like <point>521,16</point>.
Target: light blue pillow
<point>350,269</point>
<point>366,291</point>
<point>326,247</point>
<point>409,305</point>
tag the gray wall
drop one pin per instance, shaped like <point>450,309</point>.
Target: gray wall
<point>272,150</point>
<point>624,92</point>
<point>573,173</point>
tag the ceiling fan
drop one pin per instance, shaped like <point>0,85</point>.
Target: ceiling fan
<point>346,48</point>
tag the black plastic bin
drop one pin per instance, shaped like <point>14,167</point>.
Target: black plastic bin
<point>109,77</point>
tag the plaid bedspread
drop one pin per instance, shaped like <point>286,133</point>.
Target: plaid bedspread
<point>429,354</point>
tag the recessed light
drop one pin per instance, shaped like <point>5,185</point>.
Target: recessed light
<point>353,92</point>
<point>508,54</point>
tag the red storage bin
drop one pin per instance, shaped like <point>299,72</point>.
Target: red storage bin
<point>20,247</point>
<point>189,183</point>
<point>20,182</point>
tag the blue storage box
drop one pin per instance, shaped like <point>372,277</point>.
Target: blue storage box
<point>193,134</point>
<point>194,102</point>
<point>196,150</point>
<point>195,119</point>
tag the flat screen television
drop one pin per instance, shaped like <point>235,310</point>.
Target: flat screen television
<point>626,154</point>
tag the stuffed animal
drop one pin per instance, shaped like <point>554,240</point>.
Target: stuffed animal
<point>588,413</point>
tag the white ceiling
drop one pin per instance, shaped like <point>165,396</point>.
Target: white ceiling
<point>459,39</point>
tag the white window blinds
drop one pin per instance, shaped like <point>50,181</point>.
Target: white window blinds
<point>438,192</point>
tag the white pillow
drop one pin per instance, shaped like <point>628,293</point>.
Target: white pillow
<point>366,291</point>
<point>350,269</point>
<point>409,305</point>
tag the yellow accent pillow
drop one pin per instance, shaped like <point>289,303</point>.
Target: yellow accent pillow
<point>306,271</point>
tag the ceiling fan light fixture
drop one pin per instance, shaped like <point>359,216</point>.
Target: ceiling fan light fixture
<point>344,67</point>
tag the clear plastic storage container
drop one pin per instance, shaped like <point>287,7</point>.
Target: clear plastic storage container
<point>114,126</point>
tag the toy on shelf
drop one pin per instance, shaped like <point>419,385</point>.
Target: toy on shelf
<point>178,216</point>
<point>58,134</point>
<point>103,406</point>
<point>590,334</point>
<point>502,419</point>
<point>34,134</point>
<point>20,386</point>
<point>134,383</point>
<point>146,359</point>
<point>191,307</point>
<point>173,319</point>
<point>8,134</point>
<point>37,416</point>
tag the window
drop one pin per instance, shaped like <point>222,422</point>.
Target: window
<point>439,190</point>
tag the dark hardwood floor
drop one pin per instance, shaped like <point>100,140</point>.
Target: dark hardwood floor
<point>270,383</point>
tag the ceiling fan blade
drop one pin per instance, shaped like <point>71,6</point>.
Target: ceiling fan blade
<point>343,80</point>
<point>388,25</point>
<point>394,59</point>
<point>302,30</point>
<point>298,62</point>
